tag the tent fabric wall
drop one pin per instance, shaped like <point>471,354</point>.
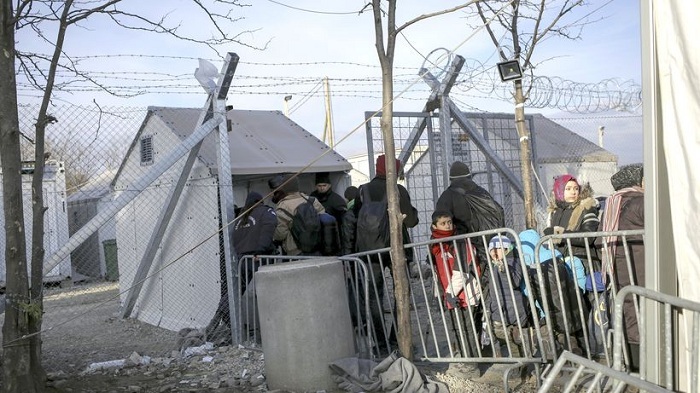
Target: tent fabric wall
<point>676,30</point>
<point>675,114</point>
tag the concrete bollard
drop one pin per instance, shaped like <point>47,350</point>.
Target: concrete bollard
<point>304,323</point>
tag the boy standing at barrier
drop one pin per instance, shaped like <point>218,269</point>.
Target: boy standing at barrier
<point>457,273</point>
<point>505,301</point>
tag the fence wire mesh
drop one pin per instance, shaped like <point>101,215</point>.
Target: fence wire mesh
<point>95,155</point>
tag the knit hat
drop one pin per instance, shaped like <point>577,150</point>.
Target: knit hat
<point>381,165</point>
<point>628,176</point>
<point>459,169</point>
<point>498,242</point>
<point>350,193</point>
<point>323,177</point>
<point>291,186</point>
<point>560,185</point>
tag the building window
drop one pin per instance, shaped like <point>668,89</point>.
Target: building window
<point>147,150</point>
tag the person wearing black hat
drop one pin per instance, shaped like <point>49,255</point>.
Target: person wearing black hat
<point>332,202</point>
<point>286,195</point>
<point>453,199</point>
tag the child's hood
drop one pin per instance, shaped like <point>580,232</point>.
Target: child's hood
<point>528,240</point>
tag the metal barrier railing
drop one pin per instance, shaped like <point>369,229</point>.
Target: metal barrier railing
<point>536,334</point>
<point>590,376</point>
<point>579,371</point>
<point>246,330</point>
<point>671,307</point>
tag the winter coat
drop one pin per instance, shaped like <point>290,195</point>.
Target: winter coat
<point>377,191</point>
<point>581,216</point>
<point>500,284</point>
<point>452,201</point>
<point>562,299</point>
<point>627,205</point>
<point>347,233</point>
<point>333,203</point>
<point>284,222</point>
<point>445,259</point>
<point>252,233</point>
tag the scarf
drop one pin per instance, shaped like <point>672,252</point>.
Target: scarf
<point>611,222</point>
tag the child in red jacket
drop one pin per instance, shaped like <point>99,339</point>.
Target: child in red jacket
<point>460,290</point>
<point>459,285</point>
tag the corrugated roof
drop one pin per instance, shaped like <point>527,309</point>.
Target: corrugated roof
<point>260,142</point>
<point>95,189</point>
<point>556,143</point>
<point>553,143</point>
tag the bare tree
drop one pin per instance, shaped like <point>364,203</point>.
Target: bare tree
<point>523,25</point>
<point>22,369</point>
<point>385,42</point>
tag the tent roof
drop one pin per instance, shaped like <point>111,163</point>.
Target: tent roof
<point>260,142</point>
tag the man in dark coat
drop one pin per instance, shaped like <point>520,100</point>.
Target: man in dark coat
<point>376,190</point>
<point>332,202</point>
<point>454,200</point>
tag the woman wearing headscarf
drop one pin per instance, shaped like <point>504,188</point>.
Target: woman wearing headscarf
<point>573,209</point>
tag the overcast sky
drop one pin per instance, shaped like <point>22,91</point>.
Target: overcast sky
<point>310,40</point>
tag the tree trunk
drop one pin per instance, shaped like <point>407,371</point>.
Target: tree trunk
<point>17,375</point>
<point>398,258</point>
<point>525,156</point>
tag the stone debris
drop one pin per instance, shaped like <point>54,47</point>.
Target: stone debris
<point>201,368</point>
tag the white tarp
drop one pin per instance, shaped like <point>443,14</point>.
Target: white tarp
<point>678,55</point>
<point>677,58</point>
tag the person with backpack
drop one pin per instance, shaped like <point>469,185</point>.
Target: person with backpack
<point>473,208</point>
<point>298,228</point>
<point>371,232</point>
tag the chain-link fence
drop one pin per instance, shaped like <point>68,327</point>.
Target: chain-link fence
<point>556,150</point>
<point>171,228</point>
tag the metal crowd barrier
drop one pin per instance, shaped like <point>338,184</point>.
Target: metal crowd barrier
<point>579,371</point>
<point>248,325</point>
<point>443,334</point>
<point>590,376</point>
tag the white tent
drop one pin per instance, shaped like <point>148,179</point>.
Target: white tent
<point>671,70</point>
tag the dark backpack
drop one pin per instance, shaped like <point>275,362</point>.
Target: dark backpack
<point>486,213</point>
<point>330,235</point>
<point>306,227</point>
<point>372,223</point>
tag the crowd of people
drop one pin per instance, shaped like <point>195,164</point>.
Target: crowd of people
<point>478,280</point>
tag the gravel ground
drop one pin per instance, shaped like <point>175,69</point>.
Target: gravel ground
<point>85,329</point>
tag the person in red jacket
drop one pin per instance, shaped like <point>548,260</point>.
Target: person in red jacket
<point>458,285</point>
<point>457,273</point>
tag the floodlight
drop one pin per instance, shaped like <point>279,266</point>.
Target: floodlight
<point>510,70</point>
